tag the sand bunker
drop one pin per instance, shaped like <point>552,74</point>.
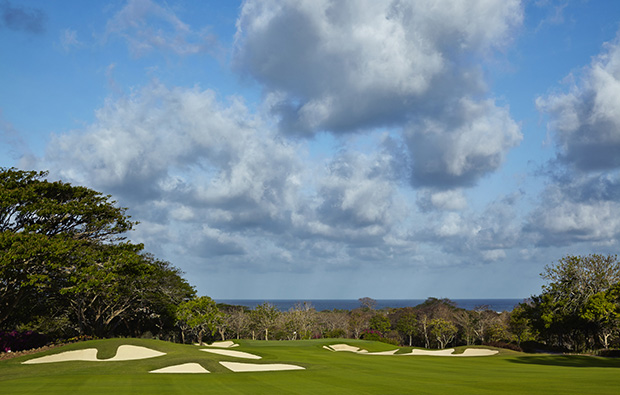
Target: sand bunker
<point>232,353</point>
<point>184,368</point>
<point>124,353</point>
<point>477,352</point>
<point>89,354</point>
<point>225,344</point>
<point>348,348</point>
<point>253,367</point>
<point>344,347</point>
<point>469,352</point>
<point>132,353</point>
<point>440,353</point>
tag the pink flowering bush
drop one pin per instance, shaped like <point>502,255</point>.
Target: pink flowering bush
<point>19,341</point>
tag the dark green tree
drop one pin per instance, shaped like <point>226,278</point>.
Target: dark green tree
<point>407,324</point>
<point>42,225</point>
<point>63,259</point>
<point>559,313</point>
<point>380,322</point>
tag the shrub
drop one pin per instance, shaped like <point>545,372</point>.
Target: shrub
<point>336,333</point>
<point>19,341</point>
<point>609,353</point>
<point>373,335</point>
<point>500,344</point>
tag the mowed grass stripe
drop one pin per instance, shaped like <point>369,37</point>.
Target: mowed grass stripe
<point>325,372</point>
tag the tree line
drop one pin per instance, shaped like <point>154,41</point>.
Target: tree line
<point>67,270</point>
<point>577,311</point>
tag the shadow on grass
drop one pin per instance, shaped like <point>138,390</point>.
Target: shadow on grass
<point>575,361</point>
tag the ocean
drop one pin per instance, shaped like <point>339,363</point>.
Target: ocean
<point>498,305</point>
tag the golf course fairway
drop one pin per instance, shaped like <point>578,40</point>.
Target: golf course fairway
<point>312,369</point>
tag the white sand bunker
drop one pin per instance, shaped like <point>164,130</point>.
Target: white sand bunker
<point>232,353</point>
<point>225,344</point>
<point>254,367</point>
<point>477,352</point>
<point>89,354</point>
<point>469,352</point>
<point>357,350</point>
<point>343,347</point>
<point>183,368</point>
<point>438,353</point>
<point>124,353</point>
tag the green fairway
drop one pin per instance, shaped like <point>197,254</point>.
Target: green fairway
<point>325,372</point>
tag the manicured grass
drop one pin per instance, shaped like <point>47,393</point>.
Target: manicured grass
<point>326,372</point>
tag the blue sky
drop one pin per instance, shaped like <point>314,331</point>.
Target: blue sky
<point>319,149</point>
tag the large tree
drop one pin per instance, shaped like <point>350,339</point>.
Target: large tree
<point>63,258</point>
<point>568,313</point>
<point>43,225</point>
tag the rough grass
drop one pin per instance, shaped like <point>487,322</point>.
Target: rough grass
<point>326,372</point>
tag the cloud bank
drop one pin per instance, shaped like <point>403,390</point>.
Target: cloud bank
<point>580,202</point>
<point>224,187</point>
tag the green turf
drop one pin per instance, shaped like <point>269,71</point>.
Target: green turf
<point>326,372</point>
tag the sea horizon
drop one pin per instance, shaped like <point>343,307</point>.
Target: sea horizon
<point>495,304</point>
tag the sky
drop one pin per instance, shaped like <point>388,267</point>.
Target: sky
<point>315,149</point>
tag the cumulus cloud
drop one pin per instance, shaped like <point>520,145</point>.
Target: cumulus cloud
<point>26,19</point>
<point>147,26</point>
<point>585,122</point>
<point>207,178</point>
<point>485,235</point>
<point>353,65</point>
<point>578,210</point>
<point>180,155</point>
<point>580,202</point>
<point>469,141</point>
<point>452,200</point>
<point>358,198</point>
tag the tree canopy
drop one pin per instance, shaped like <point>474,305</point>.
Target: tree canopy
<point>64,258</point>
<point>578,307</point>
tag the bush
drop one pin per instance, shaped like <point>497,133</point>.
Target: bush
<point>377,336</point>
<point>536,347</point>
<point>609,353</point>
<point>500,344</point>
<point>336,333</point>
<point>373,335</point>
<point>19,341</point>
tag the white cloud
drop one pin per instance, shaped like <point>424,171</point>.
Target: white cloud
<point>198,159</point>
<point>585,122</point>
<point>211,179</point>
<point>69,40</point>
<point>580,202</point>
<point>353,65</point>
<point>469,141</point>
<point>578,210</point>
<point>148,26</point>
<point>451,200</point>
